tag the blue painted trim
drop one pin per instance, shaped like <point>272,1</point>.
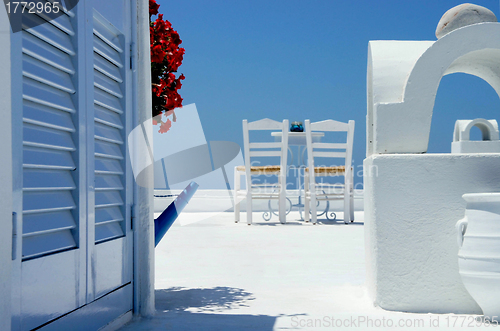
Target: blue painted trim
<point>169,215</point>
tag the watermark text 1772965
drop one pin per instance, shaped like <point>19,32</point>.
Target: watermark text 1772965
<point>14,7</point>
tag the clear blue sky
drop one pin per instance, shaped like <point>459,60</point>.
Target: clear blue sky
<point>307,60</point>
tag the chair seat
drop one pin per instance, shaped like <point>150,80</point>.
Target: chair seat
<point>328,170</point>
<point>262,169</point>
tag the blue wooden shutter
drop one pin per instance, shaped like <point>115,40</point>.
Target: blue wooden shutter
<point>109,131</point>
<point>48,184</point>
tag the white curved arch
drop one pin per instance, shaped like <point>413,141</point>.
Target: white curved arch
<point>489,129</point>
<point>403,126</point>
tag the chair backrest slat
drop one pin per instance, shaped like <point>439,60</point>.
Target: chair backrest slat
<point>265,145</point>
<point>329,125</point>
<point>329,154</point>
<point>265,124</point>
<point>329,146</point>
<point>265,153</point>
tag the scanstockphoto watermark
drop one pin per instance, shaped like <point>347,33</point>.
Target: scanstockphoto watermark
<point>298,173</point>
<point>374,322</point>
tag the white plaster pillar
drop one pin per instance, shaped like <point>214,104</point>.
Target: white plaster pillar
<point>144,302</point>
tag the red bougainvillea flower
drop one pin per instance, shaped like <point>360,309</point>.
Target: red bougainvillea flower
<point>153,7</point>
<point>166,57</point>
<point>165,126</point>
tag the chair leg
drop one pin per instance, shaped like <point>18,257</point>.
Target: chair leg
<point>347,207</point>
<point>314,213</point>
<point>352,197</point>
<point>282,201</point>
<point>249,206</point>
<point>237,187</point>
<point>352,207</point>
<point>306,199</point>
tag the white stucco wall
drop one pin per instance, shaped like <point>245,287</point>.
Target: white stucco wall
<point>412,203</point>
<point>5,175</point>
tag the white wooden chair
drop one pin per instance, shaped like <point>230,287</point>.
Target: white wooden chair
<point>314,188</point>
<point>262,149</point>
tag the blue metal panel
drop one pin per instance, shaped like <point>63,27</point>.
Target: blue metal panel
<point>96,314</point>
<point>49,288</point>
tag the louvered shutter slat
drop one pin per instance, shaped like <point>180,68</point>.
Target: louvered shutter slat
<point>47,159</point>
<point>106,166</point>
<point>108,215</point>
<point>44,52</point>
<point>46,95</point>
<point>107,117</point>
<point>107,199</point>
<point>47,117</point>
<point>35,202</point>
<point>107,84</point>
<point>62,22</point>
<point>109,150</point>
<point>47,74</point>
<point>107,68</point>
<point>35,135</point>
<point>47,243</point>
<point>107,100</point>
<point>108,133</point>
<point>48,33</point>
<point>107,231</point>
<point>42,180</point>
<point>104,50</point>
<point>108,182</point>
<point>102,31</point>
<point>35,224</point>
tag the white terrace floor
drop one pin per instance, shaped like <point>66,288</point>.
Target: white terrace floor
<point>214,274</point>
